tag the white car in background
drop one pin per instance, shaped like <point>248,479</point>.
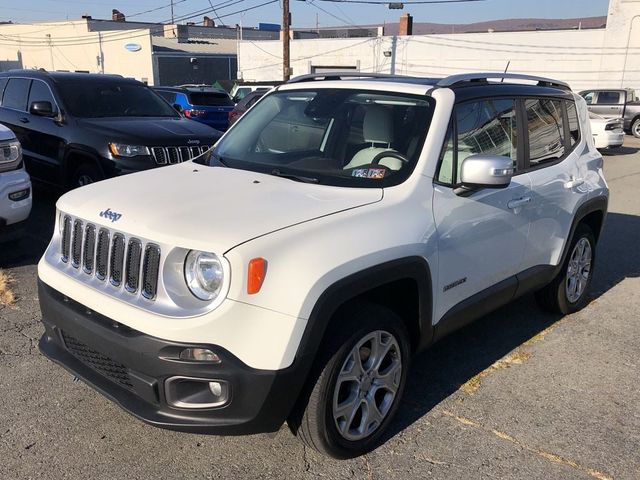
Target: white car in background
<point>15,186</point>
<point>607,132</point>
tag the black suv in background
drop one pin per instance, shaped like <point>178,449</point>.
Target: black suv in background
<point>78,128</point>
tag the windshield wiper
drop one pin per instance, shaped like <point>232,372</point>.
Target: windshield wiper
<point>292,176</point>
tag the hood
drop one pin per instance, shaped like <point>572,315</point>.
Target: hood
<point>208,208</point>
<point>152,131</point>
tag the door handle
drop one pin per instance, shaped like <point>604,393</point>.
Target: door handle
<point>24,120</point>
<point>574,182</point>
<point>518,202</point>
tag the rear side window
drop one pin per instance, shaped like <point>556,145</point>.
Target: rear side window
<point>483,127</point>
<point>608,98</point>
<point>16,93</point>
<point>168,96</point>
<point>210,99</point>
<point>40,93</point>
<point>574,124</point>
<point>545,126</point>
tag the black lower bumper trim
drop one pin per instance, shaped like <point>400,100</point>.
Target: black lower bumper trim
<point>130,368</point>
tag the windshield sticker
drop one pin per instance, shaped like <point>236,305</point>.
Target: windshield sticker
<point>375,173</point>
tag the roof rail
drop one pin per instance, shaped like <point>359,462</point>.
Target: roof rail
<point>339,75</point>
<point>478,77</point>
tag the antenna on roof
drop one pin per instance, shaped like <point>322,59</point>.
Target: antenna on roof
<point>505,70</point>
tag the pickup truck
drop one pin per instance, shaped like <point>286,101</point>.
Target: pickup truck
<point>616,103</point>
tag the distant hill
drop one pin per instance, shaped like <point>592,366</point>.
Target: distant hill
<point>509,25</point>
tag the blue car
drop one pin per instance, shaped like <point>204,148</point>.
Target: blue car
<point>207,105</point>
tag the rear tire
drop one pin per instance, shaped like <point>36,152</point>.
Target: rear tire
<point>568,291</point>
<point>635,128</point>
<point>357,383</point>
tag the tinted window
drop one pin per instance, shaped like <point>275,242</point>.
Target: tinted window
<point>168,96</point>
<point>483,127</point>
<point>546,130</point>
<point>609,98</point>
<point>574,125</point>
<point>94,99</point>
<point>16,93</point>
<point>3,83</point>
<point>210,99</point>
<point>40,93</point>
<point>588,97</point>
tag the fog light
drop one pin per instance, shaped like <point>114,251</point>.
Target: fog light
<point>199,355</point>
<point>215,388</point>
<point>194,393</point>
<point>19,195</point>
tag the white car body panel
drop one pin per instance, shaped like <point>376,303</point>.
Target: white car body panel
<point>606,138</point>
<point>13,181</point>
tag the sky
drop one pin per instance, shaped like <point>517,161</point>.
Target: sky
<point>304,13</point>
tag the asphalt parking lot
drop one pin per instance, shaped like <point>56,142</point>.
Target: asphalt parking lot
<point>519,394</point>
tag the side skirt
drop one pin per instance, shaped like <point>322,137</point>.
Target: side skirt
<point>493,298</point>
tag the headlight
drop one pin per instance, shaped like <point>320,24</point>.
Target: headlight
<point>204,274</point>
<point>122,150</point>
<point>10,155</point>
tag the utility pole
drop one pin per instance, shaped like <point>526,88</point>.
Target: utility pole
<point>286,17</point>
<point>172,12</point>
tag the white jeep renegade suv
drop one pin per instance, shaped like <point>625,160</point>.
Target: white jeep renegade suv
<point>345,223</point>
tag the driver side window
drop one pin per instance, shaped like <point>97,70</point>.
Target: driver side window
<point>480,127</point>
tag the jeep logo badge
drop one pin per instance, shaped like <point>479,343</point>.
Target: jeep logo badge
<point>113,216</point>
<point>193,142</point>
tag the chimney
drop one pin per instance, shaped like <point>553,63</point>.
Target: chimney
<point>406,25</point>
<point>207,22</point>
<point>117,15</point>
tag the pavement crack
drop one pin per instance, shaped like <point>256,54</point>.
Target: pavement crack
<point>517,357</point>
<point>307,465</point>
<point>551,457</point>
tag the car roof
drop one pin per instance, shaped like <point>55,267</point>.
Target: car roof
<point>192,89</point>
<point>60,77</point>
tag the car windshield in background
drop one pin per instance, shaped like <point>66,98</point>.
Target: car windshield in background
<point>346,137</point>
<point>210,99</point>
<point>110,99</point>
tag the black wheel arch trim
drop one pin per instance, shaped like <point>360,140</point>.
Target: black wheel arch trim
<point>348,288</point>
<point>596,204</point>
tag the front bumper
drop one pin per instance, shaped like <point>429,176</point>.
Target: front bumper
<point>13,212</point>
<point>131,368</point>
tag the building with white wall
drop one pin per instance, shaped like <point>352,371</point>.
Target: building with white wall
<point>604,57</point>
<point>153,53</point>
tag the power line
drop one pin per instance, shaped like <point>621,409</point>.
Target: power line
<point>410,2</point>
<point>125,34</point>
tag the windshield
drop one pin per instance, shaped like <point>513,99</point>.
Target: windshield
<point>331,136</point>
<point>210,99</point>
<point>109,99</point>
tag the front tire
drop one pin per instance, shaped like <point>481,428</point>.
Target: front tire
<point>85,174</point>
<point>568,292</point>
<point>358,383</point>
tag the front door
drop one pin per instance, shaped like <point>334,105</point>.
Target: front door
<point>481,234</point>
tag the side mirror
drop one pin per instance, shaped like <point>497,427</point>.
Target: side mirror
<point>178,108</point>
<point>491,171</point>
<point>42,109</point>
<point>236,99</point>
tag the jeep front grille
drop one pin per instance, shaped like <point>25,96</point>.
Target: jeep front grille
<point>171,155</point>
<point>111,255</point>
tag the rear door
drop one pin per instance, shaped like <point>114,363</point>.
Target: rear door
<point>481,234</point>
<point>14,114</point>
<point>609,103</point>
<point>554,146</point>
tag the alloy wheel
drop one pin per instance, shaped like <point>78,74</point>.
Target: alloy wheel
<point>578,270</point>
<point>367,385</point>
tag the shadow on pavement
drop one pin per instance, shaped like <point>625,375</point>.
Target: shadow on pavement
<point>443,369</point>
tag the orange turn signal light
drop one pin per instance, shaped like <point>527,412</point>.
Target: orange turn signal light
<point>257,272</point>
